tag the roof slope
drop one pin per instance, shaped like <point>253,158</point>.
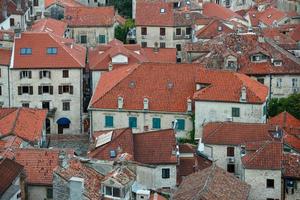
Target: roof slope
<point>167,86</point>
<point>64,3</point>
<point>212,183</point>
<point>216,10</point>
<point>9,170</point>
<point>56,27</point>
<point>26,123</point>
<point>68,55</point>
<point>291,165</point>
<point>5,55</point>
<point>285,120</point>
<point>235,133</point>
<point>90,16</point>
<point>232,83</point>
<point>270,15</point>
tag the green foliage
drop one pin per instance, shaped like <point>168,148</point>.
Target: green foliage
<point>124,7</point>
<point>290,104</point>
<point>122,30</point>
<point>191,138</point>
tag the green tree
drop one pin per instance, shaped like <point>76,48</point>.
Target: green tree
<point>124,7</point>
<point>122,30</point>
<point>290,104</point>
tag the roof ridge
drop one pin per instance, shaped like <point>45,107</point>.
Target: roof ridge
<point>267,142</point>
<point>207,181</point>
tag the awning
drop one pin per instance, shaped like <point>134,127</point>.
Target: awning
<point>63,121</point>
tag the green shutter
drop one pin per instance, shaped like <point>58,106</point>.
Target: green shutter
<point>180,124</point>
<point>132,122</point>
<point>235,112</point>
<point>109,121</point>
<point>156,123</point>
<point>101,39</point>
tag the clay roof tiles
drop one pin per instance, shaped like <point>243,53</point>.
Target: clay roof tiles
<point>5,55</point>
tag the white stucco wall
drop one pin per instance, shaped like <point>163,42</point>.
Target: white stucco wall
<point>4,98</point>
<point>96,75</point>
<point>206,111</point>
<point>152,177</point>
<point>119,59</point>
<point>143,119</point>
<point>37,192</point>
<point>257,179</point>
<point>56,100</point>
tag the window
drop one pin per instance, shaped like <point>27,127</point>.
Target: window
<point>12,22</point>
<point>162,10</point>
<point>165,173</point>
<point>180,124</point>
<point>132,122</point>
<point>0,90</point>
<point>188,31</point>
<point>65,73</point>
<point>230,151</point>
<point>45,89</point>
<point>178,31</point>
<point>26,51</point>
<point>51,50</point>
<point>162,31</point>
<point>83,39</point>
<point>261,80</point>
<point>178,47</point>
<point>25,90</point>
<point>116,192</point>
<point>162,45</point>
<point>25,105</point>
<point>178,60</point>
<point>102,39</point>
<point>108,190</point>
<point>112,191</point>
<point>230,168</point>
<point>144,44</point>
<point>109,121</point>
<point>65,89</point>
<point>45,74</point>
<point>36,3</point>
<point>112,154</point>
<point>156,123</point>
<point>231,64</point>
<point>25,74</point>
<point>66,106</point>
<point>46,105</point>
<point>235,112</point>
<point>279,82</point>
<point>144,31</point>
<point>227,2</point>
<point>49,193</point>
<point>270,183</point>
<point>294,82</point>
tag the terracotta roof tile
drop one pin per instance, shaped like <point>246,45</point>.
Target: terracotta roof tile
<point>39,164</point>
<point>163,55</point>
<point>89,17</point>
<point>211,30</point>
<point>285,120</point>
<point>68,55</point>
<point>216,10</point>
<point>235,133</point>
<point>56,27</point>
<point>5,55</point>
<point>268,156</point>
<point>291,165</point>
<point>212,183</point>
<point>26,123</point>
<point>9,171</point>
<point>121,175</point>
<point>63,3</point>
<point>292,141</point>
<point>270,15</point>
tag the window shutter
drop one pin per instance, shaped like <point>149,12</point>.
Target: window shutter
<point>50,74</point>
<point>31,90</point>
<point>60,89</point>
<point>71,89</point>
<point>40,89</point>
<point>20,75</point>
<point>29,73</point>
<point>51,89</point>
<point>19,90</point>
<point>41,74</point>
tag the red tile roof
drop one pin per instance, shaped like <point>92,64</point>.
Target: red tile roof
<point>220,81</point>
<point>121,175</point>
<point>292,141</point>
<point>285,120</point>
<point>155,147</point>
<point>89,17</point>
<point>9,171</point>
<point>291,165</point>
<point>295,34</point>
<point>39,164</point>
<point>92,178</point>
<point>270,15</point>
<point>267,157</point>
<point>216,10</point>
<point>167,86</point>
<point>163,55</point>
<point>235,133</point>
<point>121,142</point>
<point>26,123</point>
<point>213,29</point>
<point>5,55</point>
<point>149,14</point>
<point>69,55</point>
<point>212,183</point>
<point>63,3</point>
<point>56,27</point>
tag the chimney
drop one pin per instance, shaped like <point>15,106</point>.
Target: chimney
<point>76,188</point>
<point>110,67</point>
<point>146,103</point>
<point>243,94</point>
<point>19,7</point>
<point>61,159</point>
<point>155,49</point>
<point>120,102</point>
<point>4,9</point>
<point>189,105</point>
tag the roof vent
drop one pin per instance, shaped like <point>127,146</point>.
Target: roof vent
<point>132,84</point>
<point>120,102</point>
<point>220,28</point>
<point>170,85</point>
<point>146,103</point>
<point>269,16</point>
<point>162,10</point>
<point>243,94</point>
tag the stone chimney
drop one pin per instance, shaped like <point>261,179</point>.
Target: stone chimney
<point>76,188</point>
<point>243,94</point>
<point>120,102</point>
<point>146,103</point>
<point>110,67</point>
<point>4,9</point>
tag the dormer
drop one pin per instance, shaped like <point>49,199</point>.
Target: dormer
<point>146,104</point>
<point>231,62</point>
<point>119,59</point>
<point>120,102</point>
<point>276,62</point>
<point>243,97</point>
<point>259,57</point>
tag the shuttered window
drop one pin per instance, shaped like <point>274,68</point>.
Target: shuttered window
<point>180,124</point>
<point>156,123</point>
<point>45,89</point>
<point>102,39</point>
<point>65,89</point>
<point>109,121</point>
<point>25,90</point>
<point>132,122</point>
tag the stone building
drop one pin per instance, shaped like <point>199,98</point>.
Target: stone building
<point>4,77</point>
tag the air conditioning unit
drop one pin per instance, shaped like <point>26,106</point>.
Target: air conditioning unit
<point>187,36</point>
<point>229,119</point>
<point>230,159</point>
